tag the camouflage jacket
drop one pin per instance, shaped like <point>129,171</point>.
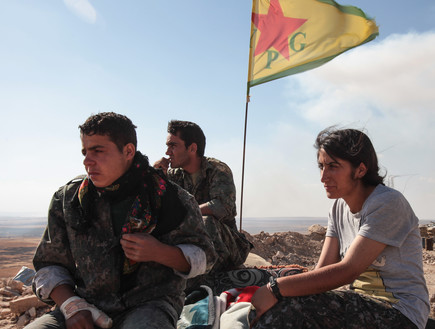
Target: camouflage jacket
<point>215,187</point>
<point>93,258</point>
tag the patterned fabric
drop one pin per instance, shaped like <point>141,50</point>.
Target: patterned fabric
<point>238,295</point>
<point>251,277</point>
<point>215,188</point>
<point>334,309</point>
<point>143,215</point>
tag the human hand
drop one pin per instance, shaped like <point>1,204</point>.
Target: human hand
<point>79,314</point>
<point>140,247</point>
<point>262,301</point>
<point>163,163</point>
<point>80,320</point>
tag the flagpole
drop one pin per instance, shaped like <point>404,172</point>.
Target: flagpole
<point>248,85</point>
<point>243,160</point>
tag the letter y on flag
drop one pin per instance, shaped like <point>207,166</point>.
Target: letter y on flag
<point>292,36</point>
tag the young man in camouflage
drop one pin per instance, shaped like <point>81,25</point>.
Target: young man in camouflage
<point>211,183</point>
<point>120,242</point>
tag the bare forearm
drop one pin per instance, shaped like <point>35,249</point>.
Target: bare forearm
<point>314,282</point>
<point>325,262</point>
<point>173,257</point>
<point>62,293</point>
<point>205,209</point>
<point>317,281</point>
<point>330,252</point>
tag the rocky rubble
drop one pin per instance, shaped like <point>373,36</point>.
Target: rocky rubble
<point>285,248</point>
<point>428,257</point>
<point>18,304</point>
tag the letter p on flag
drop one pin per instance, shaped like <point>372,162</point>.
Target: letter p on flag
<point>292,36</point>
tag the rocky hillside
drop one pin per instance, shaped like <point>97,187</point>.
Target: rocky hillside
<point>284,248</point>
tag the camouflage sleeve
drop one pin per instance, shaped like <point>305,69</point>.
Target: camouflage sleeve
<point>53,260</point>
<point>191,231</point>
<point>222,192</point>
<point>175,175</point>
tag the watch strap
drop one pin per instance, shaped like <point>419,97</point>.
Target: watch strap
<point>273,284</point>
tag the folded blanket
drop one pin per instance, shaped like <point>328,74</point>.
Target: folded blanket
<point>236,317</point>
<point>229,310</point>
<point>238,304</point>
<point>226,305</point>
<point>238,295</point>
<point>202,313</point>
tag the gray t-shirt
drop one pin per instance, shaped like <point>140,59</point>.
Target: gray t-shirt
<point>397,274</point>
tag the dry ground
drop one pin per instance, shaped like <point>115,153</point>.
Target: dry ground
<point>429,274</point>
<point>15,253</point>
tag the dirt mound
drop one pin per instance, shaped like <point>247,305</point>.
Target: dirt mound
<point>284,248</point>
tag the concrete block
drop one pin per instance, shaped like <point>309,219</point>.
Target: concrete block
<point>21,305</point>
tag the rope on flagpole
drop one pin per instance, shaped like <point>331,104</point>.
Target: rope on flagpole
<point>243,160</point>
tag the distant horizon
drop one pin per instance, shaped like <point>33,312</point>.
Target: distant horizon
<point>26,217</point>
<point>13,226</point>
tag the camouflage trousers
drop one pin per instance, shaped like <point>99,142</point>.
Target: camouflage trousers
<point>231,246</point>
<point>156,314</point>
<point>333,309</point>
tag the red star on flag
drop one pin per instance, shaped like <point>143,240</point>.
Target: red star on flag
<point>275,29</point>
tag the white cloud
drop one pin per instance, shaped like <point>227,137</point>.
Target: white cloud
<point>83,9</point>
<point>382,80</point>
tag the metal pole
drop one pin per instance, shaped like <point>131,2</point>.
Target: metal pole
<point>243,161</point>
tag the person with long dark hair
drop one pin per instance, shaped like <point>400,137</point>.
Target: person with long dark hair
<point>372,243</point>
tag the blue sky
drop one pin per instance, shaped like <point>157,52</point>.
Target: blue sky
<point>154,61</point>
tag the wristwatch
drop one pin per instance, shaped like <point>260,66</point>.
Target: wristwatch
<point>273,284</point>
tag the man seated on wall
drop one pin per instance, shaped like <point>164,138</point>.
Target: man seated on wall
<point>211,182</point>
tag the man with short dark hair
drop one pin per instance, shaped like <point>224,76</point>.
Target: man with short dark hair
<point>120,242</point>
<point>211,183</point>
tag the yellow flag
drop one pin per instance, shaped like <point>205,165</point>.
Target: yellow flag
<point>292,36</point>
